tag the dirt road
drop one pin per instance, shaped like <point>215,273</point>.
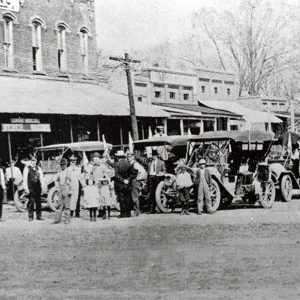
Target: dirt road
<point>233,254</point>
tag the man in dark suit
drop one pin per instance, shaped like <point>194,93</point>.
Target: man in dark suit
<point>203,183</point>
<point>155,167</point>
<point>124,174</point>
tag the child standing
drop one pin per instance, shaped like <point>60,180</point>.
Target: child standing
<point>184,183</point>
<point>106,196</point>
<point>91,199</point>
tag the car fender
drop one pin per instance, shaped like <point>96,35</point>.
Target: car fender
<point>278,171</point>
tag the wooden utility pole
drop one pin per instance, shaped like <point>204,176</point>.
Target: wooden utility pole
<point>126,61</point>
<point>292,115</point>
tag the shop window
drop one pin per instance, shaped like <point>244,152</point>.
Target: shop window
<point>216,90</point>
<point>37,45</point>
<point>208,125</point>
<point>84,50</point>
<point>228,92</point>
<point>61,48</point>
<point>173,127</point>
<point>157,94</point>
<point>186,96</point>
<point>222,123</point>
<point>8,42</point>
<point>172,95</point>
<point>203,89</point>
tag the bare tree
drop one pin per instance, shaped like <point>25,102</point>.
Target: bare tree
<point>259,37</point>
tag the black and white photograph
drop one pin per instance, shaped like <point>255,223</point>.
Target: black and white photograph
<point>149,149</point>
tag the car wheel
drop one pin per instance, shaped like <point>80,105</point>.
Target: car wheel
<point>21,200</point>
<point>215,197</point>
<point>286,188</point>
<point>52,198</point>
<point>268,195</point>
<point>161,198</point>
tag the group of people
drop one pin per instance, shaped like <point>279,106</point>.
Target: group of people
<point>105,183</point>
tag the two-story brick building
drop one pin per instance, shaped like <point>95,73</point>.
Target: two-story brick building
<point>48,72</point>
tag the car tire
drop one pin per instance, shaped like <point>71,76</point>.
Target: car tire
<point>52,198</point>
<point>21,200</point>
<point>215,196</point>
<point>267,198</point>
<point>161,199</point>
<point>286,188</point>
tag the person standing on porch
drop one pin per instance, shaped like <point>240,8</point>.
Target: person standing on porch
<point>33,185</point>
<point>74,173</point>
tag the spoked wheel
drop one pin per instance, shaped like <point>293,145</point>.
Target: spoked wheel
<point>161,198</point>
<point>286,188</point>
<point>53,198</point>
<point>268,194</point>
<point>21,200</point>
<point>215,197</point>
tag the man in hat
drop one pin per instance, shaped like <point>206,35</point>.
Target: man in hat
<point>74,173</point>
<point>136,182</point>
<point>124,174</point>
<point>203,182</point>
<point>155,168</point>
<point>161,150</point>
<point>33,185</point>
<point>2,190</point>
<point>62,183</point>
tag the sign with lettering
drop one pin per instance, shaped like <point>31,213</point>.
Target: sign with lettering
<point>26,128</point>
<point>13,5</point>
<point>24,121</point>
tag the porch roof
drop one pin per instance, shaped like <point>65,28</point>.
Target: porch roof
<point>45,96</point>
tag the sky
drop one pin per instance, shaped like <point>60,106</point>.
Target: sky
<point>124,25</point>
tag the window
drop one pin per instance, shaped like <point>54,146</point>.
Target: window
<point>36,46</point>
<point>186,96</point>
<point>157,94</point>
<point>61,48</point>
<point>172,95</point>
<point>216,81</point>
<point>140,99</point>
<point>204,79</point>
<point>216,90</point>
<point>203,88</point>
<point>8,43</point>
<point>228,92</point>
<point>84,50</point>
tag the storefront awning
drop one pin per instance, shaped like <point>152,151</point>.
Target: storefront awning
<point>196,110</point>
<point>43,96</point>
<point>249,115</point>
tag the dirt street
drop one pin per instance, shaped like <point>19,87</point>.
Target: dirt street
<point>243,253</point>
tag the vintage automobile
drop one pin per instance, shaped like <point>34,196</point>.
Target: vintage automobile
<point>286,183</point>
<point>223,151</point>
<point>49,157</point>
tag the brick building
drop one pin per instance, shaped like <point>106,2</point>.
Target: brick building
<point>54,38</point>
<point>48,72</point>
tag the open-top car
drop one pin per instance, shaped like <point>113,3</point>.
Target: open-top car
<point>224,152</point>
<point>281,167</point>
<point>49,158</point>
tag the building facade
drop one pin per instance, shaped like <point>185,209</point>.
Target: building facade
<point>48,38</point>
<point>178,93</point>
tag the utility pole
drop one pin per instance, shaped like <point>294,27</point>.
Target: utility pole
<point>126,61</point>
<point>292,115</point>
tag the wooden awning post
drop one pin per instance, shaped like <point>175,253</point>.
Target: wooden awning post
<point>11,166</point>
<point>71,131</point>
<point>98,130</point>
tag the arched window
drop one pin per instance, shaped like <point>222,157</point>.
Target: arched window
<point>84,49</point>
<point>8,39</point>
<point>37,63</point>
<point>61,47</point>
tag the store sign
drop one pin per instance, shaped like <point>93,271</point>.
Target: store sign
<point>24,121</point>
<point>26,128</point>
<point>13,5</point>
